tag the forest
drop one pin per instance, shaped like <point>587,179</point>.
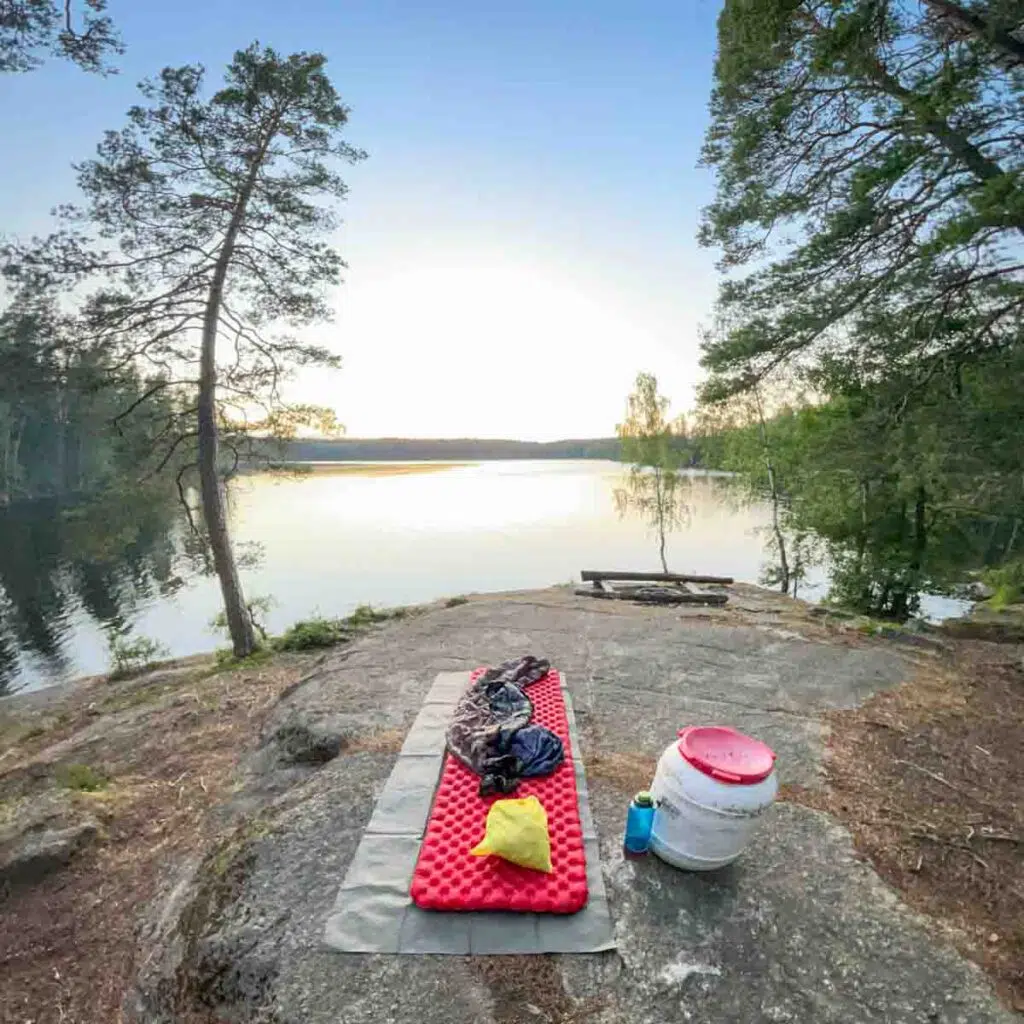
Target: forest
<point>864,366</point>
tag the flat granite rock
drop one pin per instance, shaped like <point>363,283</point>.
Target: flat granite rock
<point>30,855</point>
<point>797,930</point>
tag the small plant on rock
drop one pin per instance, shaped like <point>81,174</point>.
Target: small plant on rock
<point>131,655</point>
<point>309,634</point>
<point>367,615</point>
<point>80,777</point>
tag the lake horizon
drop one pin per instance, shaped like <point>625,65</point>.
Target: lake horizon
<point>333,536</point>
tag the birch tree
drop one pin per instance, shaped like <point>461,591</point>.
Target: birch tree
<point>654,486</point>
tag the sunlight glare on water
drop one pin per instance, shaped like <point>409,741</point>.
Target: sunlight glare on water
<point>387,534</point>
<point>494,526</point>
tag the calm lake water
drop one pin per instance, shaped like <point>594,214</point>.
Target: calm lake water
<point>337,538</point>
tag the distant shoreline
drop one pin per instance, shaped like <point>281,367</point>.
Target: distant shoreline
<point>451,450</point>
<point>359,468</point>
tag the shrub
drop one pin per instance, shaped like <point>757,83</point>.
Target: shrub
<point>454,602</point>
<point>258,608</point>
<point>308,634</point>
<point>227,662</point>
<point>128,656</point>
<point>367,615</point>
<point>80,777</point>
<point>1008,583</point>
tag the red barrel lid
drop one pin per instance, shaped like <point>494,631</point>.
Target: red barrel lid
<point>725,754</point>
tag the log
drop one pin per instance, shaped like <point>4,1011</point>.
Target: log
<point>652,595</point>
<point>595,576</point>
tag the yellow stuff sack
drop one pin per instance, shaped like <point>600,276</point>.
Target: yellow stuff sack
<point>517,831</point>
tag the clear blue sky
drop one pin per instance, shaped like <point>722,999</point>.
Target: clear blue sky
<point>524,226</point>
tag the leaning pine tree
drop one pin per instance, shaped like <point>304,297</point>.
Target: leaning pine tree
<point>207,218</point>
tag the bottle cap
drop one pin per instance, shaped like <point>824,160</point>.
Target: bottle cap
<point>643,799</point>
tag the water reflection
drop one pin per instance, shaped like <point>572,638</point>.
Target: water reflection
<point>330,541</point>
<point>61,567</point>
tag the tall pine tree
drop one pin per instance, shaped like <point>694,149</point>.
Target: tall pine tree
<point>209,219</point>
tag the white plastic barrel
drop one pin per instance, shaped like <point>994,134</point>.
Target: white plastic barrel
<point>710,789</point>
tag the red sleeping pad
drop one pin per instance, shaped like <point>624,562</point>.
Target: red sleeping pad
<point>447,877</point>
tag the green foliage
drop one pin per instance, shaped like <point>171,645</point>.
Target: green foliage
<point>226,661</point>
<point>131,655</point>
<point>870,204</point>
<point>314,633</point>
<point>654,488</point>
<point>878,205</point>
<point>367,615</point>
<point>207,223</point>
<point>79,32</point>
<point>1007,583</point>
<point>80,777</point>
<point>309,634</point>
<point>60,400</point>
<point>259,154</point>
<point>455,602</point>
<point>899,508</point>
<point>257,607</point>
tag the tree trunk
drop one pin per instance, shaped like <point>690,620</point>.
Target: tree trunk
<point>1012,540</point>
<point>243,637</point>
<point>920,530</point>
<point>660,499</point>
<point>773,492</point>
<point>862,533</point>
<point>15,449</point>
<point>971,21</point>
<point>5,474</point>
<point>60,470</point>
<point>12,449</point>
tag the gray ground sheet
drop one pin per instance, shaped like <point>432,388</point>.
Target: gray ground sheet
<point>374,912</point>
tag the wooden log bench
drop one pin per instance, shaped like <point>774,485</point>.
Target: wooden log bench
<point>671,588</point>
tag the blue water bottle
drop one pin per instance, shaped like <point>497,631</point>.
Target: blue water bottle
<point>638,823</point>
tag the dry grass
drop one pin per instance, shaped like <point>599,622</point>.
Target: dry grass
<point>528,989</point>
<point>929,778</point>
<point>628,772</point>
<point>386,741</point>
<point>68,943</point>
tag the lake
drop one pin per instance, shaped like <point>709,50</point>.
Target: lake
<point>343,535</point>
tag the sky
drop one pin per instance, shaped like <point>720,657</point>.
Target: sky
<point>521,239</point>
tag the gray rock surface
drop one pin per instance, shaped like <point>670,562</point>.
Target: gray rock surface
<point>299,740</point>
<point>797,930</point>
<point>33,853</point>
